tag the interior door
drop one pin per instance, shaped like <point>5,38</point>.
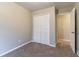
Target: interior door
<point>44,29</point>
<point>73,30</point>
<point>41,28</point>
<point>36,29</point>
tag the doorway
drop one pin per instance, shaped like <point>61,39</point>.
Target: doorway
<point>63,29</point>
<point>66,30</point>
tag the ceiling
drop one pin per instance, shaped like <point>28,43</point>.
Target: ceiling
<point>39,5</point>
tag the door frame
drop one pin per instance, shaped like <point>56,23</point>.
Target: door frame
<point>75,31</point>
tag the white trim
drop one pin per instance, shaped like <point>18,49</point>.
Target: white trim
<point>52,45</point>
<point>14,48</point>
<point>78,53</point>
<point>45,44</point>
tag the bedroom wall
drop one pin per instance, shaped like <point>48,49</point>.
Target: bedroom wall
<point>15,26</point>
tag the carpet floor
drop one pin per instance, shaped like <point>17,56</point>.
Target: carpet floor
<point>40,50</point>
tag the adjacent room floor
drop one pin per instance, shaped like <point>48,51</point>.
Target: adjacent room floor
<point>41,50</point>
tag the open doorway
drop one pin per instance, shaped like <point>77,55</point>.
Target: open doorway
<point>66,30</point>
<point>63,29</point>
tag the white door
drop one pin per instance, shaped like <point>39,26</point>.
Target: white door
<point>41,28</point>
<point>44,29</point>
<point>73,29</point>
<point>36,29</point>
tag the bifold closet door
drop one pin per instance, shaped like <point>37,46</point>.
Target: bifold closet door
<point>41,29</point>
<point>36,29</point>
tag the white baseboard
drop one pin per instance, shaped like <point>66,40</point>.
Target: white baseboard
<point>52,45</point>
<point>46,44</point>
<point>14,48</point>
<point>78,53</point>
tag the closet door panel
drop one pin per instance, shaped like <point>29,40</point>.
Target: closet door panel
<point>44,25</point>
<point>42,28</point>
<point>36,29</point>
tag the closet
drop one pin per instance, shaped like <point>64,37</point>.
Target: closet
<point>41,28</point>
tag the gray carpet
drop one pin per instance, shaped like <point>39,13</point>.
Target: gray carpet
<point>41,50</point>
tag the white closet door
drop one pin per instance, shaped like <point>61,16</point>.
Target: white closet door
<point>44,29</point>
<point>36,29</point>
<point>41,28</point>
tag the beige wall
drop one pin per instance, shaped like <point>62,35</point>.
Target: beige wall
<point>51,11</point>
<point>15,26</point>
<point>63,27</point>
<point>60,34</point>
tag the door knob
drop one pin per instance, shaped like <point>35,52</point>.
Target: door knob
<point>73,32</point>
